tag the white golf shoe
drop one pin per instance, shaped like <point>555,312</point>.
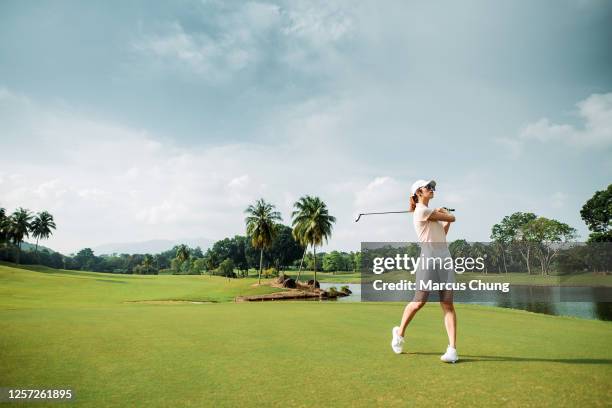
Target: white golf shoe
<point>397,343</point>
<point>450,356</point>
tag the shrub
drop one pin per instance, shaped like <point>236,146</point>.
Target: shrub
<point>332,292</point>
<point>270,272</point>
<point>226,268</point>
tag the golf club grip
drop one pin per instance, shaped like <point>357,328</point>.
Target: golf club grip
<point>449,209</point>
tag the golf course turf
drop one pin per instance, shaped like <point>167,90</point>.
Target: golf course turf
<point>82,330</point>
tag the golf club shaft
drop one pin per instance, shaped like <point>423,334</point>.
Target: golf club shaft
<point>393,212</point>
<point>385,212</point>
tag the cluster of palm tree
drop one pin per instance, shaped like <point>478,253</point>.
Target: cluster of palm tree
<point>21,224</point>
<point>182,255</point>
<point>312,226</point>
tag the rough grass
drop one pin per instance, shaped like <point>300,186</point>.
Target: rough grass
<point>73,329</point>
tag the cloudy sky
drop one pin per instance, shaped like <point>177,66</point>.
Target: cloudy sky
<point>138,120</point>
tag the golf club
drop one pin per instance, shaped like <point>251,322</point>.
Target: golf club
<point>393,212</point>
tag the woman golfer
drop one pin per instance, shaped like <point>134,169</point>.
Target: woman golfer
<point>431,227</point>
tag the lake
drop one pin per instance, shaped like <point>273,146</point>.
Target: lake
<point>583,309</point>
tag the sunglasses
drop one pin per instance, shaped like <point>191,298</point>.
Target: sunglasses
<point>430,187</point>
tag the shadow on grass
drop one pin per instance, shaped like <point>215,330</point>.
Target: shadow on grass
<point>470,359</point>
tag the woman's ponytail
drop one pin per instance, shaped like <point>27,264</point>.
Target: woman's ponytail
<point>413,202</point>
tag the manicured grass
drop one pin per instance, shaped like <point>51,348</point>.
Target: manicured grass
<point>39,286</point>
<point>60,328</point>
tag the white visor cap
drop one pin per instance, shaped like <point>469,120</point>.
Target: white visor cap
<point>420,183</point>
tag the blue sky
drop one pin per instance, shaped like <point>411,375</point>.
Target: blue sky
<point>140,120</point>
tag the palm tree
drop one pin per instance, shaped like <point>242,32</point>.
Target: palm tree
<point>261,224</point>
<point>304,206</point>
<point>5,224</point>
<point>312,225</point>
<point>20,227</point>
<point>3,221</point>
<point>301,239</point>
<point>147,263</point>
<point>182,254</point>
<point>41,227</point>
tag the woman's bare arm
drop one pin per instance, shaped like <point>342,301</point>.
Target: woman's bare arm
<point>440,214</point>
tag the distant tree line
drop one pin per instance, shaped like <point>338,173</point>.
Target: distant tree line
<point>533,238</point>
<point>231,257</point>
<point>520,241</point>
<point>524,242</point>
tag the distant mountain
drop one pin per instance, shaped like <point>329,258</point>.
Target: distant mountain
<point>153,246</point>
<point>26,246</point>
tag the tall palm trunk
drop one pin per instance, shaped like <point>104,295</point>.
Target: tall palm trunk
<point>36,252</point>
<point>260,266</point>
<point>301,263</point>
<point>18,251</point>
<point>314,252</point>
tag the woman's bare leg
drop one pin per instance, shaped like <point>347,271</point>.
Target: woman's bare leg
<point>450,321</point>
<point>411,309</point>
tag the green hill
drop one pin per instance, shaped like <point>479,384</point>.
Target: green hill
<point>26,246</point>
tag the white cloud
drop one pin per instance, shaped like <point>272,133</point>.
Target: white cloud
<point>260,16</point>
<point>238,190</point>
<point>106,182</point>
<point>214,58</point>
<point>382,194</point>
<point>318,23</point>
<point>379,193</point>
<point>48,189</point>
<point>596,132</point>
<point>93,194</point>
<point>239,182</point>
<point>595,113</point>
<point>305,34</point>
<point>168,211</point>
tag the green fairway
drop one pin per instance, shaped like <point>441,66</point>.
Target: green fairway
<point>41,286</point>
<point>74,329</point>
